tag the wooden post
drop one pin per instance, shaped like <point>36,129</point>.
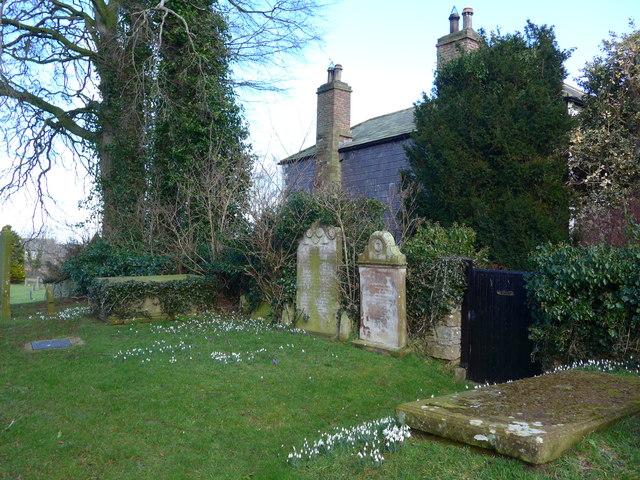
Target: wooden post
<point>5,273</point>
<point>51,306</point>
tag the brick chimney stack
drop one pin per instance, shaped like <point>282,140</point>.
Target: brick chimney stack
<point>333,127</point>
<point>458,41</point>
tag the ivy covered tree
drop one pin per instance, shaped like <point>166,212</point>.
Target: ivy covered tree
<point>490,144</point>
<point>76,77</point>
<point>200,167</point>
<point>605,146</point>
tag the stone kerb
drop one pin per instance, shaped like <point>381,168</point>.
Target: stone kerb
<point>317,285</point>
<point>383,318</point>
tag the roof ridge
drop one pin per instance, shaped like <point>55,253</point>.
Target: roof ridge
<point>383,115</point>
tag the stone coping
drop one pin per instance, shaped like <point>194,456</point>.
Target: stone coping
<point>146,278</point>
<point>535,419</point>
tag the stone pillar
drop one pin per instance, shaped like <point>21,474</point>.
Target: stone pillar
<point>383,317</point>
<point>444,340</point>
<point>5,272</point>
<point>317,288</point>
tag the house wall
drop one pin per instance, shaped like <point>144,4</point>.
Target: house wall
<point>374,172</point>
<point>299,175</point>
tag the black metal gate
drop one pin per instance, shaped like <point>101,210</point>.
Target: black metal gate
<point>495,318</point>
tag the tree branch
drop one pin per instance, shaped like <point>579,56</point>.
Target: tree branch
<point>64,119</point>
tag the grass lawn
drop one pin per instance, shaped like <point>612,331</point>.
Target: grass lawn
<point>216,399</point>
<point>20,294</point>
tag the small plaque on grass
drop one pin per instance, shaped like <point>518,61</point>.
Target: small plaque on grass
<point>46,344</point>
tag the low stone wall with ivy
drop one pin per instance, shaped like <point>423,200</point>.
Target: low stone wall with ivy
<point>438,258</point>
<point>586,303</point>
<point>119,300</point>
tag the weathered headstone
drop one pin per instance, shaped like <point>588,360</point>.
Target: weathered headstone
<point>51,306</point>
<point>317,293</point>
<point>383,273</point>
<point>5,273</point>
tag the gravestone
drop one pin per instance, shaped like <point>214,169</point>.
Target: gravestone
<point>383,273</point>
<point>317,288</point>
<point>5,273</point>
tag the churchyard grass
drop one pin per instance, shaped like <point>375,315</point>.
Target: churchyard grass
<point>20,294</point>
<point>217,398</point>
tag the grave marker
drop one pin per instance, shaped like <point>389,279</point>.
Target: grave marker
<point>383,318</point>
<point>317,287</point>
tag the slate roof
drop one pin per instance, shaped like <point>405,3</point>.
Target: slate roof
<point>394,126</point>
<point>383,128</point>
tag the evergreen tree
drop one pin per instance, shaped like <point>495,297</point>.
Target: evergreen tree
<point>490,144</point>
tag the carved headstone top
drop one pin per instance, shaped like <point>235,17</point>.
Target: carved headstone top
<point>317,285</point>
<point>382,250</point>
<point>319,235</point>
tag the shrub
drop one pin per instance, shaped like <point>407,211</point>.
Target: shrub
<point>100,259</point>
<point>585,303</point>
<point>437,258</point>
<point>270,245</point>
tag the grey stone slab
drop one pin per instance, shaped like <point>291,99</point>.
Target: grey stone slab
<point>46,344</point>
<point>535,419</point>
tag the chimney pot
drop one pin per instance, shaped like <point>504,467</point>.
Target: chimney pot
<point>467,13</point>
<point>337,73</point>
<point>454,21</point>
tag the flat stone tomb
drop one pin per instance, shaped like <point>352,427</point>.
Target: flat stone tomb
<point>535,419</point>
<point>46,344</point>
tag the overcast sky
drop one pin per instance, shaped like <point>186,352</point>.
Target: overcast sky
<point>387,50</point>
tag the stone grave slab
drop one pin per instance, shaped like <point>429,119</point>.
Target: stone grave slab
<point>535,419</point>
<point>46,344</point>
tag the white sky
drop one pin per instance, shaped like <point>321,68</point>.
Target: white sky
<point>387,50</point>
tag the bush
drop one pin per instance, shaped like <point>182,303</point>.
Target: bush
<point>585,303</point>
<point>270,246</point>
<point>100,259</point>
<point>17,271</point>
<point>437,258</point>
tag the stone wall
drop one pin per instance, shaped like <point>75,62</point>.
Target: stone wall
<point>444,343</point>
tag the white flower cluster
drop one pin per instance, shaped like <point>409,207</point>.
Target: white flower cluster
<point>159,346</point>
<point>631,366</point>
<point>66,314</point>
<point>216,323</point>
<point>192,335</point>
<point>366,441</point>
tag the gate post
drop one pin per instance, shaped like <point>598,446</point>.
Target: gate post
<point>464,320</point>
